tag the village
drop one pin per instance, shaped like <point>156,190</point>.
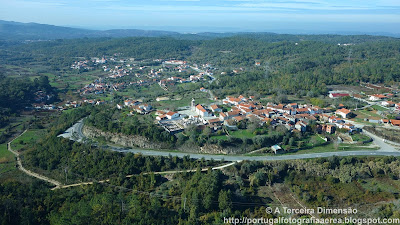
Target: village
<point>224,116</point>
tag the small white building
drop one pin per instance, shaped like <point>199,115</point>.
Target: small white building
<point>344,113</point>
<point>172,115</point>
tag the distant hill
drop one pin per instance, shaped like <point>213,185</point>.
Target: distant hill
<point>14,32</point>
<point>34,31</point>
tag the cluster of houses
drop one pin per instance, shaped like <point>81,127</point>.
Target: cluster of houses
<point>293,116</point>
<point>97,87</point>
<point>119,72</point>
<point>173,80</point>
<point>42,96</point>
<point>136,106</point>
<point>83,64</point>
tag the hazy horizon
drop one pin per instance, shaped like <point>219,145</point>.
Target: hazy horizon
<point>193,16</point>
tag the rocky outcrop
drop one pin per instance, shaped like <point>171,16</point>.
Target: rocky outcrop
<point>137,141</point>
<point>122,139</point>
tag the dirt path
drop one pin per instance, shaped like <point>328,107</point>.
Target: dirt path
<point>128,176</point>
<point>28,172</point>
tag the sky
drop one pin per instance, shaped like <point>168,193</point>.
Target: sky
<point>284,16</point>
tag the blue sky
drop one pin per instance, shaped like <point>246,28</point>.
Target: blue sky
<point>320,16</point>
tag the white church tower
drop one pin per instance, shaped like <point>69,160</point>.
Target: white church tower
<point>193,105</point>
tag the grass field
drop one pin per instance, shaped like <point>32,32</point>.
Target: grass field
<point>379,108</point>
<point>5,155</point>
<point>31,136</point>
<point>241,134</point>
<point>360,137</point>
<point>7,162</point>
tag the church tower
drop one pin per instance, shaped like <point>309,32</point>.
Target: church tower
<point>193,105</point>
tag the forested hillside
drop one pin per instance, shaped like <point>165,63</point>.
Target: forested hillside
<point>289,63</point>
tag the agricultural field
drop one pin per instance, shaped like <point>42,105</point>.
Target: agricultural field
<point>29,137</point>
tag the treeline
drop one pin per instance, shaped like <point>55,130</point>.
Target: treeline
<point>15,95</point>
<point>208,197</point>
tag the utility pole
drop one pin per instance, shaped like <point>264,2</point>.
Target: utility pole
<point>66,175</point>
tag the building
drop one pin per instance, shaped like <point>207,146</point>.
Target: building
<point>201,111</point>
<point>223,116</point>
<point>377,97</point>
<point>215,108</point>
<point>330,129</point>
<point>172,115</point>
<point>301,126</point>
<point>277,149</point>
<point>338,95</point>
<point>395,122</point>
<point>344,113</point>
<point>388,103</point>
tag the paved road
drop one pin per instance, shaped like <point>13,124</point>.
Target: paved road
<point>75,132</point>
<point>385,150</point>
<point>28,172</point>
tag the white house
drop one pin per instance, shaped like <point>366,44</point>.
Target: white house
<point>344,113</point>
<point>376,97</point>
<point>215,108</point>
<point>388,103</point>
<point>172,115</point>
<point>201,111</point>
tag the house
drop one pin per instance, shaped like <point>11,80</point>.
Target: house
<point>231,114</point>
<point>293,105</point>
<point>344,113</point>
<point>161,117</point>
<point>146,107</point>
<point>301,126</point>
<point>230,124</point>
<point>201,111</point>
<point>172,115</point>
<point>349,126</point>
<point>215,108</point>
<point>397,106</point>
<point>395,122</point>
<point>159,112</point>
<point>302,111</point>
<point>330,129</point>
<point>338,95</point>
<point>388,103</point>
<point>377,97</point>
<point>223,116</point>
<point>119,106</point>
<point>214,121</point>
<point>131,102</point>
<point>203,89</point>
<point>277,149</point>
<point>238,118</point>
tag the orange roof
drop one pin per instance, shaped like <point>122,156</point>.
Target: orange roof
<point>171,113</point>
<point>214,107</point>
<point>201,108</point>
<point>239,118</point>
<point>214,120</point>
<point>395,122</point>
<point>345,111</point>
